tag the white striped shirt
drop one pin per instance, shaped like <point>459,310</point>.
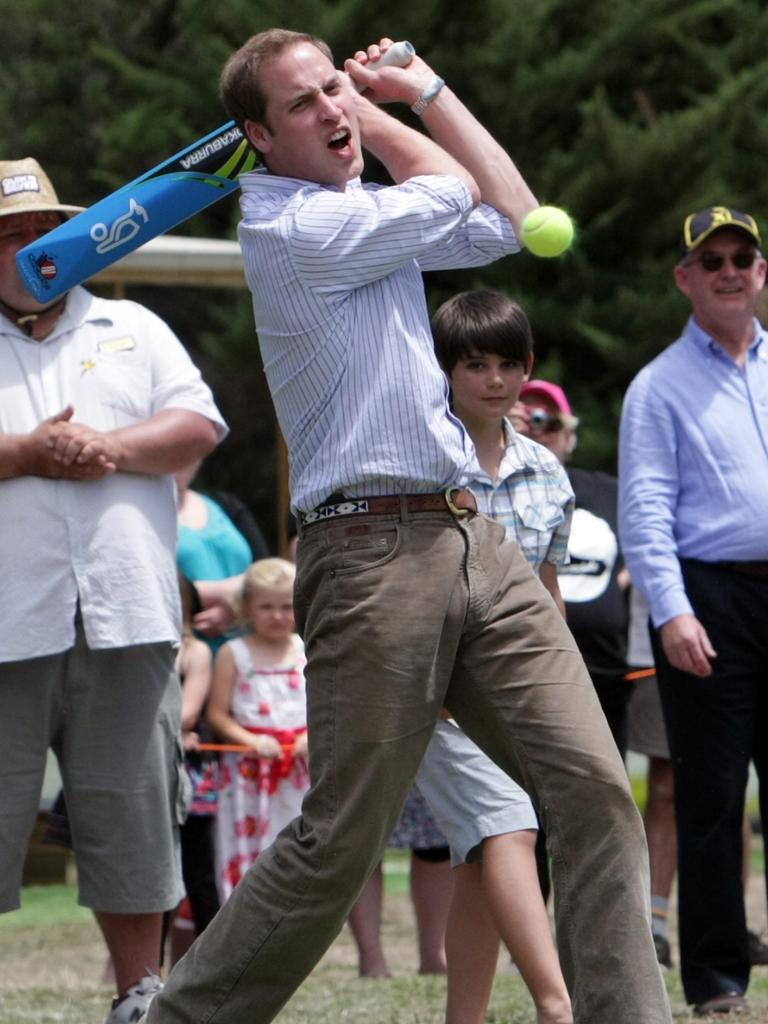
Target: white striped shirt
<point>344,328</point>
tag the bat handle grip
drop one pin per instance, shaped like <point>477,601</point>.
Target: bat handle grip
<point>399,55</point>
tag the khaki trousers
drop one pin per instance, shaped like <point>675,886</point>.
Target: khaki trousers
<point>402,615</point>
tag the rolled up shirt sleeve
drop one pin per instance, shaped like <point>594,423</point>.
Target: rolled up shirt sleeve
<point>342,240</point>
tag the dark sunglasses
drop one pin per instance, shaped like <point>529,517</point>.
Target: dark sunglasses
<point>542,419</point>
<point>713,261</point>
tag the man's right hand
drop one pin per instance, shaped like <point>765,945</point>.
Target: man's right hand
<point>37,455</point>
<point>405,152</point>
<point>387,83</point>
<point>687,645</point>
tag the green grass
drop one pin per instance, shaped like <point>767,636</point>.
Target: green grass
<point>396,867</point>
<point>46,906</point>
<point>50,974</point>
<point>52,961</point>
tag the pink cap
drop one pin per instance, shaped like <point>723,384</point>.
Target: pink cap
<point>553,392</point>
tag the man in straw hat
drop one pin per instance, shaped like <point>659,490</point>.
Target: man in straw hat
<point>100,404</point>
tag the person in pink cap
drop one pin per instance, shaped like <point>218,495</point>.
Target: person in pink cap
<point>594,582</point>
<point>547,416</point>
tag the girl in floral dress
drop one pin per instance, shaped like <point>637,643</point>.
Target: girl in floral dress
<point>258,703</point>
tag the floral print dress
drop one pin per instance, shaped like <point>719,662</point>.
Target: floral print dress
<point>258,796</point>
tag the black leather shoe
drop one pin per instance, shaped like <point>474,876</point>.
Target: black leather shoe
<point>726,1002</point>
<point>758,950</point>
<point>663,951</point>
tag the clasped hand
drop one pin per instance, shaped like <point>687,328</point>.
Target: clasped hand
<point>61,448</point>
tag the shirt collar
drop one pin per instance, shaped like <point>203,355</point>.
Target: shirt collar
<point>707,344</point>
<point>81,307</point>
<point>511,439</point>
<point>513,459</point>
<point>260,179</point>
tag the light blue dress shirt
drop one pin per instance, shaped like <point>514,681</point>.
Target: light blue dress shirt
<point>693,464</point>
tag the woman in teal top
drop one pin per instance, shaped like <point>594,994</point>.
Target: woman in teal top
<point>218,539</point>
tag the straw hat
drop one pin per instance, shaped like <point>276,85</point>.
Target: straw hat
<point>26,188</point>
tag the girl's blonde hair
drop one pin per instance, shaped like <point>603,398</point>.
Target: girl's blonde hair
<point>267,574</point>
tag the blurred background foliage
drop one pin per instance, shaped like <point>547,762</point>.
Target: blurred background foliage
<point>629,113</point>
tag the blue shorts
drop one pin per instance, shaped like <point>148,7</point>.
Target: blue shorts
<point>470,797</point>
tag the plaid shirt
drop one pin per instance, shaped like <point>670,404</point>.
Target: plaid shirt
<point>532,499</point>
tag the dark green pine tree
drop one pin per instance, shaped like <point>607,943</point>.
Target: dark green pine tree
<point>629,113</point>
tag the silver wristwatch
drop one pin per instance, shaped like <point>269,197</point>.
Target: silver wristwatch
<point>429,93</point>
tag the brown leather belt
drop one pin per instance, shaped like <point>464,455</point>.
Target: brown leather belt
<point>759,569</point>
<point>458,501</point>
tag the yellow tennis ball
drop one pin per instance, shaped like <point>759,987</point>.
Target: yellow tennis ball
<point>547,231</point>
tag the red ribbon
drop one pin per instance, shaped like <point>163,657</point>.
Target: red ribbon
<point>273,770</point>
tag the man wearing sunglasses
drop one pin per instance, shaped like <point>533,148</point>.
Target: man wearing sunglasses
<point>693,473</point>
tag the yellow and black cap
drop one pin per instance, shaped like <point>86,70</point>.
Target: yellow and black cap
<point>699,226</point>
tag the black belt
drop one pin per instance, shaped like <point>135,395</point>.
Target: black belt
<point>458,501</point>
<point>759,569</point>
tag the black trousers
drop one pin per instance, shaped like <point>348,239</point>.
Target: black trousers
<point>198,868</point>
<point>614,693</point>
<point>715,727</point>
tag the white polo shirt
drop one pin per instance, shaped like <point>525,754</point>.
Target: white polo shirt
<point>111,542</point>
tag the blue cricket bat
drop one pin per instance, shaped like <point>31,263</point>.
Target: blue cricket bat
<point>155,202</point>
<point>149,205</point>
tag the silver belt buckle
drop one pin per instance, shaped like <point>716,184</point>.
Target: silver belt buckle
<point>458,512</point>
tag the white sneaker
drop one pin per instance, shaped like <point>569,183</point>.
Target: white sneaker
<point>132,1008</point>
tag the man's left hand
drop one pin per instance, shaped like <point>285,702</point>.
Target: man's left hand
<point>74,444</point>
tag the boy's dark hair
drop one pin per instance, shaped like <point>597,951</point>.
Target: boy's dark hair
<point>481,321</point>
